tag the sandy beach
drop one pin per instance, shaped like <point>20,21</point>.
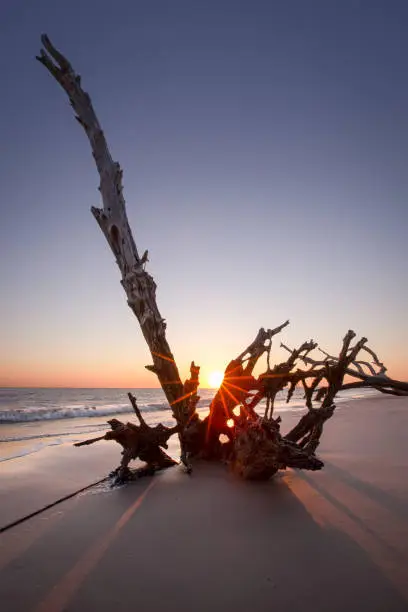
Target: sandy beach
<point>330,540</point>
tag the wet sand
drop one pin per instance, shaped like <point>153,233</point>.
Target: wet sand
<point>330,540</point>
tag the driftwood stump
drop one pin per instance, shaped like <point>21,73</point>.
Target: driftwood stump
<point>233,431</point>
<point>138,442</point>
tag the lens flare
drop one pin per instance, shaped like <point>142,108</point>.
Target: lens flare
<point>215,379</point>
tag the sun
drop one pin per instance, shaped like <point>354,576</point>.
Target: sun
<point>215,379</point>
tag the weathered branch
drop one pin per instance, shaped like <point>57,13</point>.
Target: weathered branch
<point>275,379</point>
<point>379,380</point>
<point>90,441</point>
<point>139,286</point>
<point>190,390</point>
<point>308,431</point>
<point>137,411</point>
<point>261,344</point>
<point>377,362</point>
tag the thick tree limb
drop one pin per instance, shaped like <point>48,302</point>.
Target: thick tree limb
<point>139,286</point>
<point>137,411</point>
<point>90,441</point>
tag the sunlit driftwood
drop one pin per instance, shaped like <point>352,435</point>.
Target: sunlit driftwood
<point>233,431</point>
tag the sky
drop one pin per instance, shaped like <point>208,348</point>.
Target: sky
<point>265,154</point>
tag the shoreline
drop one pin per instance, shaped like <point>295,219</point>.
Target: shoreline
<point>37,479</point>
<point>18,437</point>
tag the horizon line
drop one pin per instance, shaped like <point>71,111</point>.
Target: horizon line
<point>64,387</point>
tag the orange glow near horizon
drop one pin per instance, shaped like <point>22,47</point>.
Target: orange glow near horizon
<point>62,375</point>
<point>59,371</point>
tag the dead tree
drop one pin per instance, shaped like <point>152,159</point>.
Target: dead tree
<point>139,286</point>
<point>233,431</point>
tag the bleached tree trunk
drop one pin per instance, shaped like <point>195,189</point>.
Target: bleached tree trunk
<point>139,286</point>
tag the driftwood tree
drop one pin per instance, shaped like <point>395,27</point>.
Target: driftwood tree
<point>233,431</point>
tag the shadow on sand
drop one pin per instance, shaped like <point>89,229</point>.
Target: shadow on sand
<point>201,543</point>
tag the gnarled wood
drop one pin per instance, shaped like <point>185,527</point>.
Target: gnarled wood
<point>139,286</point>
<point>255,447</point>
<point>259,451</point>
<point>138,442</point>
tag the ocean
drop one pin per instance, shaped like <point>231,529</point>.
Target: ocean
<point>34,419</point>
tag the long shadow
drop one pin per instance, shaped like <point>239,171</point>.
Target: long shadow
<point>199,543</point>
<point>85,520</point>
<point>343,507</point>
<point>214,543</point>
<point>389,501</point>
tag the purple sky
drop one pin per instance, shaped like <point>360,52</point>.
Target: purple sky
<point>265,154</point>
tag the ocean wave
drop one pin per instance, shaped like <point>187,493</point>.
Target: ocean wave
<point>29,415</point>
<point>72,411</point>
<point>69,410</point>
<point>25,415</point>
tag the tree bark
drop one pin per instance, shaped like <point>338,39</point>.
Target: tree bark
<point>139,286</point>
<point>138,442</point>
